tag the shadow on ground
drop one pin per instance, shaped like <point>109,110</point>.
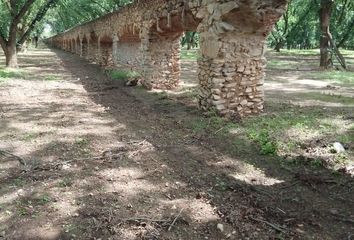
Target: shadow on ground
<point>131,168</point>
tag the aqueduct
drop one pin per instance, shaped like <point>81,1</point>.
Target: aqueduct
<point>144,36</point>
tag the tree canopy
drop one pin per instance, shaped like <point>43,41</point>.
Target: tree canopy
<point>300,26</point>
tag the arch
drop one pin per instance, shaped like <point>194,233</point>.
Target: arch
<point>163,50</point>
<point>105,51</point>
<point>85,46</point>
<point>73,45</point>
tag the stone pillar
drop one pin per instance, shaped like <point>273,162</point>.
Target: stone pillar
<point>161,60</point>
<point>231,74</point>
<point>81,47</point>
<point>88,56</point>
<point>74,46</point>
<point>232,63</point>
<point>99,53</point>
<point>115,49</point>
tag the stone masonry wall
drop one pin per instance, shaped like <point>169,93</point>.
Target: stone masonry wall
<point>145,37</point>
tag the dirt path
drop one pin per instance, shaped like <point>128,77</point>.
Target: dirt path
<point>109,162</point>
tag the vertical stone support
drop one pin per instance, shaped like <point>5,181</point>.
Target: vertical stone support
<point>98,53</point>
<point>232,63</point>
<point>161,60</point>
<point>231,74</point>
<point>73,46</point>
<point>88,55</point>
<point>115,49</point>
<point>81,46</point>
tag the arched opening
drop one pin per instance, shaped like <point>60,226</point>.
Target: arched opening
<point>84,47</point>
<point>128,55</point>
<point>93,51</point>
<point>164,50</point>
<point>73,46</point>
<point>77,45</point>
<point>105,51</point>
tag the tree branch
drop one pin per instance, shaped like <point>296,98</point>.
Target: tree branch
<point>22,12</point>
<point>39,16</point>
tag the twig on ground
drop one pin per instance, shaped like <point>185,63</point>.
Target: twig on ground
<point>174,220</point>
<point>276,227</point>
<point>6,153</point>
<point>216,132</point>
<point>144,219</point>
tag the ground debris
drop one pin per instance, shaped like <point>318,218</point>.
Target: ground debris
<point>8,154</point>
<point>311,179</point>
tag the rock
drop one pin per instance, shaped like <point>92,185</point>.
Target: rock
<point>227,7</point>
<point>226,26</point>
<point>220,227</point>
<point>244,102</point>
<point>338,147</point>
<point>132,82</point>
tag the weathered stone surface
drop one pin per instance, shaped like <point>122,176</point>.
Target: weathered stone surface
<point>144,37</point>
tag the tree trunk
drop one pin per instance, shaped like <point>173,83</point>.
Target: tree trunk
<point>11,56</point>
<point>278,46</point>
<point>325,17</point>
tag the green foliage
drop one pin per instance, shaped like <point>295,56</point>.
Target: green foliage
<point>328,98</point>
<point>336,76</point>
<point>65,182</point>
<point>190,40</point>
<point>189,54</point>
<point>10,73</point>
<point>263,138</point>
<point>81,142</point>
<point>299,27</point>
<point>123,75</point>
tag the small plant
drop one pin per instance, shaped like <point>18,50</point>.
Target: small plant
<point>10,73</point>
<point>162,95</point>
<point>69,227</point>
<point>268,147</point>
<point>28,137</point>
<point>123,75</point>
<point>316,163</point>
<point>18,182</point>
<point>66,182</point>
<point>81,142</point>
<point>51,78</point>
<point>42,200</point>
<point>223,186</point>
<point>23,211</point>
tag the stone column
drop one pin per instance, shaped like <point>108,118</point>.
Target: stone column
<point>88,49</point>
<point>231,74</point>
<point>115,49</point>
<point>81,47</point>
<point>232,63</point>
<point>99,53</point>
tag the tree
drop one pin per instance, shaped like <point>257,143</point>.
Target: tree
<point>18,19</point>
<point>325,43</point>
<point>328,47</point>
<point>300,27</point>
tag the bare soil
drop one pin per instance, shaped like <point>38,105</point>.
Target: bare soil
<point>104,161</point>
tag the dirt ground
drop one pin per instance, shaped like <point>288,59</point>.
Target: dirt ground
<point>104,161</point>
